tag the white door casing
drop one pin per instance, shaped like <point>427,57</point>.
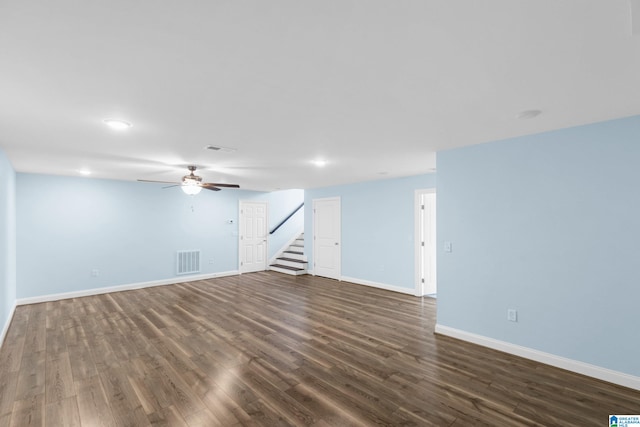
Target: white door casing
<point>253,236</point>
<point>327,238</point>
<point>425,238</point>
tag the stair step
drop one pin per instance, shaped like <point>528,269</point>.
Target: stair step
<point>293,252</point>
<point>292,262</point>
<point>294,255</point>
<point>292,259</point>
<point>286,267</point>
<point>287,270</point>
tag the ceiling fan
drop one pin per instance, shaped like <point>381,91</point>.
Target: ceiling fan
<point>192,184</point>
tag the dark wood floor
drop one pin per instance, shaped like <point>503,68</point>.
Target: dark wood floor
<point>274,350</point>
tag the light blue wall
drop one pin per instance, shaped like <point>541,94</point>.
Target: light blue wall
<point>129,231</point>
<point>7,239</point>
<point>377,228</point>
<point>549,225</point>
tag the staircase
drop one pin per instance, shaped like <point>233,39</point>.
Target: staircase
<point>292,260</point>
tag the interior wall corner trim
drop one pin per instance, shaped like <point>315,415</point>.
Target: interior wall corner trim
<point>119,288</point>
<point>410,291</point>
<point>604,374</point>
<point>3,334</point>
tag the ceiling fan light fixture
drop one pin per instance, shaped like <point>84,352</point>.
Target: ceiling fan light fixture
<point>191,188</point>
<point>192,184</point>
<point>117,124</point>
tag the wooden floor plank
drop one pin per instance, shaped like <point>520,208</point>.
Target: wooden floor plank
<point>28,412</point>
<point>59,383</point>
<point>125,407</point>
<point>81,360</point>
<point>222,406</point>
<point>8,384</point>
<point>167,417</point>
<point>93,405</point>
<point>63,413</point>
<point>267,349</point>
<point>35,336</point>
<point>11,355</point>
<point>31,377</point>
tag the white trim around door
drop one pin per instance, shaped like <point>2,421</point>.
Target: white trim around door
<point>327,235</point>
<point>253,244</point>
<point>425,241</point>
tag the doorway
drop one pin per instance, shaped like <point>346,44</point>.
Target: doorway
<point>425,229</point>
<point>326,238</point>
<point>253,236</point>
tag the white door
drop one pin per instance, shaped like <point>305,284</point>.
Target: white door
<point>326,238</point>
<point>253,236</point>
<point>425,242</point>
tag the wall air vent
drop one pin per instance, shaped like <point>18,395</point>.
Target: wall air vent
<point>188,262</point>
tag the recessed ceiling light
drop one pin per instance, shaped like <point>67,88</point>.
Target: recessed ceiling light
<point>117,124</point>
<point>84,172</point>
<point>528,114</point>
<point>320,163</point>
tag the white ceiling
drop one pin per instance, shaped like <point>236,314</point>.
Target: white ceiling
<point>375,87</point>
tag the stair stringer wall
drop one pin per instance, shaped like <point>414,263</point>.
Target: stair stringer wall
<point>278,254</point>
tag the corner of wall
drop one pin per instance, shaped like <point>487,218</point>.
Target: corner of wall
<point>7,323</point>
<point>7,244</point>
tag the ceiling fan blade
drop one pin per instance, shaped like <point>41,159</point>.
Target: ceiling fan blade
<point>209,186</point>
<point>174,185</point>
<point>161,182</point>
<point>221,185</point>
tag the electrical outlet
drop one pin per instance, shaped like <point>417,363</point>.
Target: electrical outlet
<point>448,247</point>
<point>210,260</point>
<point>95,272</point>
<point>512,315</point>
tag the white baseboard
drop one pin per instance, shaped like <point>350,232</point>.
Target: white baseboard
<point>587,369</point>
<point>131,286</point>
<point>410,291</point>
<point>5,329</point>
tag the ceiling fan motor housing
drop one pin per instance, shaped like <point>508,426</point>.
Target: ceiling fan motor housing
<point>191,178</point>
<point>192,183</point>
